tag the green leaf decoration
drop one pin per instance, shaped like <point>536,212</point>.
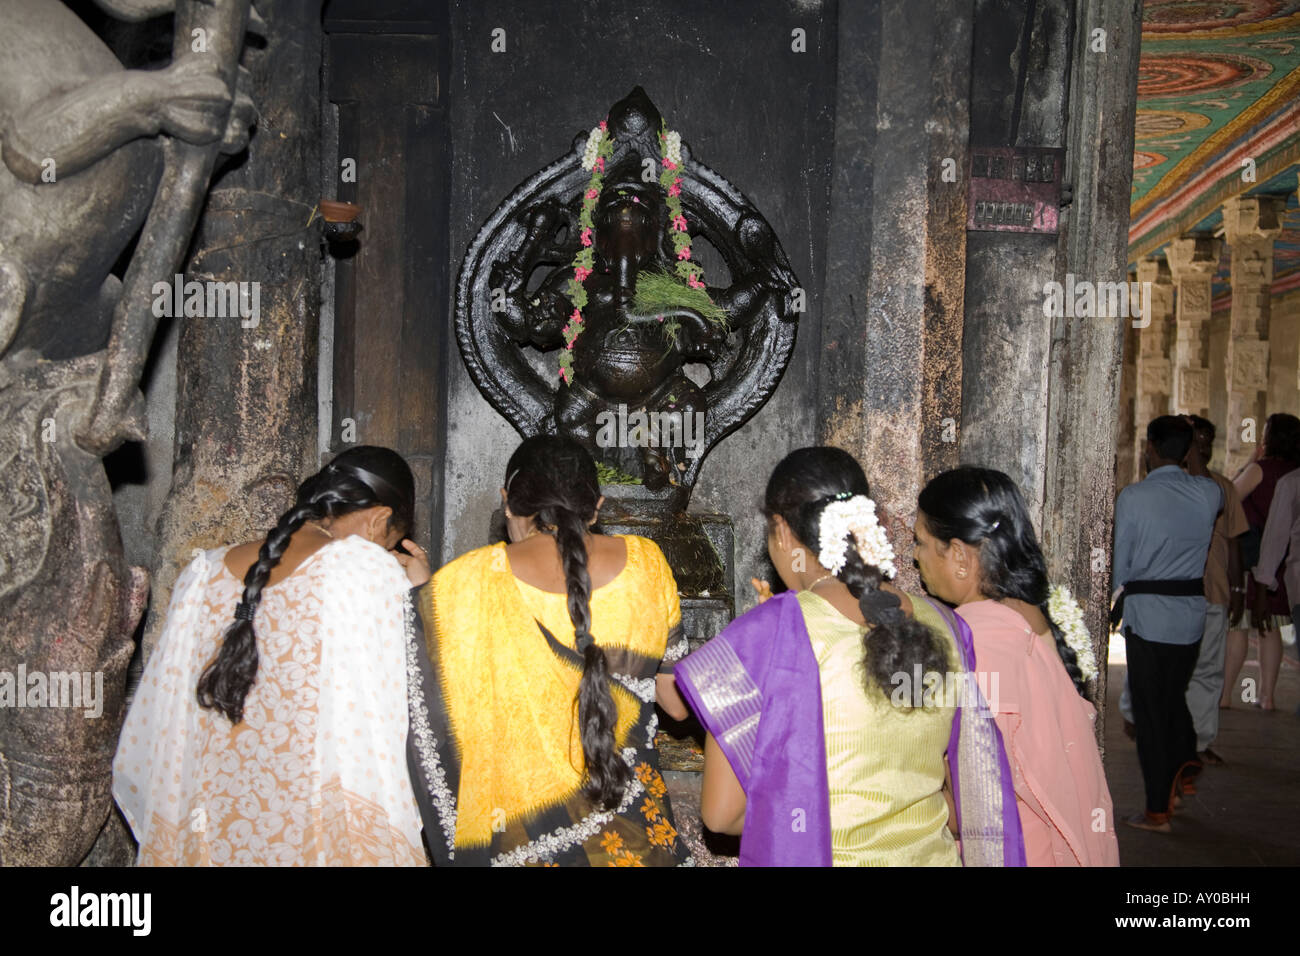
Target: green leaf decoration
<point>658,291</point>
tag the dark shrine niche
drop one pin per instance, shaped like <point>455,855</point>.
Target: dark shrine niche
<point>623,391</point>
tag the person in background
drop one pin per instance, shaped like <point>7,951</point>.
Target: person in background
<point>270,723</point>
<point>1281,542</point>
<point>1278,453</point>
<point>1224,599</point>
<point>1163,528</point>
<point>1224,595</point>
<point>976,548</point>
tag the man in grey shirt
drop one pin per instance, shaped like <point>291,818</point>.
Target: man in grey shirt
<point>1163,528</point>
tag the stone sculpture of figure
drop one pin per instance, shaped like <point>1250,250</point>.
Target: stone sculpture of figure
<point>93,155</point>
<point>632,357</point>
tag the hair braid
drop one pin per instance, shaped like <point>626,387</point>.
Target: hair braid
<point>225,682</point>
<point>361,477</point>
<point>554,481</point>
<point>1068,657</point>
<point>894,643</point>
<point>607,773</point>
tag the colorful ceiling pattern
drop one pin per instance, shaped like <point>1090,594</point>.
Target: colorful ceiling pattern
<point>1218,84</point>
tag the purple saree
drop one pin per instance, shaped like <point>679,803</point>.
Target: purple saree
<point>756,688</point>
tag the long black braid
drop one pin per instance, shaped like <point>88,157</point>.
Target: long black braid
<point>553,480</point>
<point>361,477</point>
<point>984,508</point>
<point>801,487</point>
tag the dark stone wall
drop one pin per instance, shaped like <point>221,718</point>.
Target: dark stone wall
<point>723,74</point>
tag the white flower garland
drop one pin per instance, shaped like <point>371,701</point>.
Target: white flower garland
<point>1065,611</point>
<point>856,516</point>
<point>593,147</point>
<point>673,146</point>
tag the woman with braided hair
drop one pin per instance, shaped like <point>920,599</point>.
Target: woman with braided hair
<point>827,706</point>
<point>976,549</point>
<point>533,722</point>
<point>270,723</point>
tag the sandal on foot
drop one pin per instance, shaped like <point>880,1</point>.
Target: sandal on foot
<point>1155,822</point>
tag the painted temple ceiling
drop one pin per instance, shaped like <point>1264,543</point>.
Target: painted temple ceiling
<point>1218,84</point>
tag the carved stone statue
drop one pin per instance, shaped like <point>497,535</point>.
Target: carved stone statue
<point>648,385</point>
<point>92,155</point>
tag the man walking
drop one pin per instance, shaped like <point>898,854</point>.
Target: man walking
<point>1163,528</point>
<point>1225,598</point>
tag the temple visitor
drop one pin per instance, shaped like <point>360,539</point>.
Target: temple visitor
<point>976,549</point>
<point>533,719</point>
<point>1163,528</point>
<point>270,723</point>
<point>821,748</point>
<point>1277,454</point>
<point>1281,541</point>
<point>1224,602</point>
<point>1224,594</point>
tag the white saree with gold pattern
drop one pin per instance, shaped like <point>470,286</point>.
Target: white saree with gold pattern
<point>315,773</point>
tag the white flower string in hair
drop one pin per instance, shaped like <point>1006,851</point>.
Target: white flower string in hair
<point>1065,611</point>
<point>856,515</point>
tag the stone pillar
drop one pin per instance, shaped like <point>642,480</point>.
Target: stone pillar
<point>246,396</point>
<point>1154,387</point>
<point>1128,467</point>
<point>891,359</point>
<point>1283,360</point>
<point>1192,262</point>
<point>1250,225</point>
<point>1083,389</point>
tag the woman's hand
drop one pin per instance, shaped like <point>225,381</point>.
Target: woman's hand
<point>415,563</point>
<point>763,588</point>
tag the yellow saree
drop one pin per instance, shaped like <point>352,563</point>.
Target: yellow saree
<point>495,747</point>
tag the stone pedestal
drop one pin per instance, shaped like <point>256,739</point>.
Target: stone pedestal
<point>700,549</point>
<point>1250,224</point>
<point>1192,262</point>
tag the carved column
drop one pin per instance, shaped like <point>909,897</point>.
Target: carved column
<point>1192,262</point>
<point>1250,224</point>
<point>1284,363</point>
<point>1155,379</point>
<point>1128,467</point>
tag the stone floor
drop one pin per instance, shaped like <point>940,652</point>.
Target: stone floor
<point>1245,812</point>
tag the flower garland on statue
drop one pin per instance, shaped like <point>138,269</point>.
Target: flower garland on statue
<point>856,515</point>
<point>1063,609</point>
<point>599,148</point>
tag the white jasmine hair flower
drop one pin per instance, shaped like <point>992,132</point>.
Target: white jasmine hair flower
<point>1065,611</point>
<point>854,516</point>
